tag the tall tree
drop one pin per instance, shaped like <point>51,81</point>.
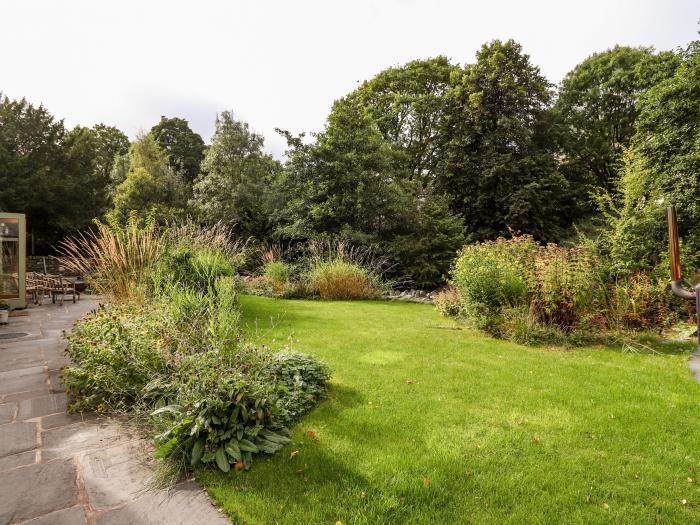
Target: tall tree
<point>47,173</point>
<point>237,179</point>
<point>408,106</point>
<point>598,106</point>
<point>346,184</point>
<point>500,171</point>
<point>151,185</point>
<point>184,147</point>
<point>103,144</point>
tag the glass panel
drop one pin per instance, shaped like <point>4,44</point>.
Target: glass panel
<point>9,258</point>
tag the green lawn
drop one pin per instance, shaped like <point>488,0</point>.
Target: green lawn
<point>429,422</point>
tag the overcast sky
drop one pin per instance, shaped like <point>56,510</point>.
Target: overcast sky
<point>282,63</point>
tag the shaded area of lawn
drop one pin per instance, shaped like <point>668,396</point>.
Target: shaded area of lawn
<point>429,422</point>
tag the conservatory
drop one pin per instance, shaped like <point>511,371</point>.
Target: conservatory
<point>13,245</point>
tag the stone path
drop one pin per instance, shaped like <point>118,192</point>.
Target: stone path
<point>61,469</point>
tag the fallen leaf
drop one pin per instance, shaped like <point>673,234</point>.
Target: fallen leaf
<point>690,480</point>
<point>606,506</point>
<point>426,482</point>
<point>293,453</point>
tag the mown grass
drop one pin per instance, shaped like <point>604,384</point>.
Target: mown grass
<point>429,422</point>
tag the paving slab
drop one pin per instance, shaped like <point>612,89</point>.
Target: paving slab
<point>7,412</point>
<point>22,380</point>
<point>30,492</point>
<point>42,406</point>
<point>75,439</point>
<point>116,475</point>
<point>71,516</point>
<point>186,505</point>
<point>18,460</point>
<point>63,419</point>
<point>17,437</point>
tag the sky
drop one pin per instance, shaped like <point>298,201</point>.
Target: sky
<point>283,63</point>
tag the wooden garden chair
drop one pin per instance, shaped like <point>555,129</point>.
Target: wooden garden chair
<point>60,286</point>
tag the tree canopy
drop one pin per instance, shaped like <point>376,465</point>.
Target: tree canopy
<point>184,147</point>
<point>151,186</point>
<point>500,172</point>
<point>598,106</point>
<point>237,180</point>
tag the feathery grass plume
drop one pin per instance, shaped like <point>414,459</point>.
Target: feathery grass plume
<point>116,259</point>
<point>339,271</point>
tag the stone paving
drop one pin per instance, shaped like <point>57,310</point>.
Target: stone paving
<point>68,469</point>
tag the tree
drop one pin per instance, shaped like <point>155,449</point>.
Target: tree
<point>425,254</point>
<point>597,104</point>
<point>661,167</point>
<point>184,147</point>
<point>500,172</point>
<point>151,186</point>
<point>408,105</point>
<point>102,145</point>
<point>47,172</point>
<point>237,179</point>
<point>346,184</point>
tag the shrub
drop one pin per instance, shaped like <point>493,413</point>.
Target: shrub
<point>492,275</point>
<point>340,271</point>
<point>338,279</point>
<point>638,302</point>
<point>521,325</point>
<point>565,285</point>
<point>196,268</point>
<point>176,354</point>
<point>304,379</point>
<point>278,274</point>
<point>117,353</point>
<point>518,289</point>
<point>448,302</point>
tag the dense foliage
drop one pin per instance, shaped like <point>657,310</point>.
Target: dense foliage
<point>530,293</point>
<point>169,347</point>
<point>410,164</point>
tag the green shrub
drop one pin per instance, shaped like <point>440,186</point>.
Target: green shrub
<point>520,290</point>
<point>117,353</point>
<point>278,274</point>
<point>638,302</point>
<point>193,267</point>
<point>225,409</point>
<point>174,357</point>
<point>492,275</point>
<point>566,285</point>
<point>520,324</point>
